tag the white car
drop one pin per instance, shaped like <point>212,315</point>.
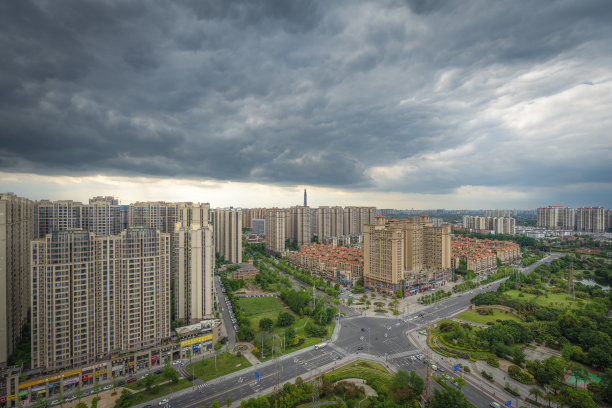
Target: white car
<point>108,387</point>
<point>164,401</point>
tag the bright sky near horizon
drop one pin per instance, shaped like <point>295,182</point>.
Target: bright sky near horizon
<point>396,104</point>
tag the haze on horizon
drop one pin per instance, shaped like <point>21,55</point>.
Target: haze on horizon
<point>397,104</point>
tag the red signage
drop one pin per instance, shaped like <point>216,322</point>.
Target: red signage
<point>86,377</point>
<point>154,358</point>
<point>2,399</point>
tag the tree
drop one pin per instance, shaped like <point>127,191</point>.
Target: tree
<point>170,373</point>
<point>448,398</point>
<point>215,404</point>
<point>580,373</point>
<point>289,334</point>
<point>81,405</point>
<point>78,393</point>
<point>285,319</point>
<point>148,381</point>
<point>536,392</point>
<point>266,324</point>
<point>96,387</point>
<point>518,355</point>
<point>459,382</point>
<point>245,333</point>
<point>416,383</point>
<point>399,294</point>
<point>349,301</point>
<point>399,380</point>
<point>40,403</point>
<point>228,401</point>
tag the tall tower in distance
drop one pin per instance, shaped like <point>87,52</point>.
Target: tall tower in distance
<point>305,199</point>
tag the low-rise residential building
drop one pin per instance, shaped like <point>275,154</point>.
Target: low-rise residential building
<point>341,264</point>
<point>481,254</point>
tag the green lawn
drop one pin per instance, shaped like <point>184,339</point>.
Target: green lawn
<point>375,374</point>
<point>473,316</point>
<point>256,306</point>
<point>226,363</point>
<point>138,385</point>
<point>159,391</point>
<point>551,299</point>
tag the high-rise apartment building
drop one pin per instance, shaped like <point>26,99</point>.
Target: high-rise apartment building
<point>590,219</point>
<point>498,225</point>
<point>354,218</point>
<point>16,231</point>
<point>323,216</point>
<point>96,295</point>
<point>395,250</point>
<point>300,224</point>
<point>194,257</point>
<point>557,217</point>
<point>336,221</point>
<point>258,226</point>
<point>228,233</point>
<point>608,217</point>
<point>276,220</point>
<point>249,214</point>
<point>101,216</point>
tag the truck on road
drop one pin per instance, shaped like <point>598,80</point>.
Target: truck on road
<point>320,346</point>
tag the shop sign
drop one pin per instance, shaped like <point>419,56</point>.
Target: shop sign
<point>95,367</point>
<point>87,377</point>
<point>103,371</point>
<point>131,363</point>
<point>206,343</point>
<point>71,381</point>
<point>23,393</point>
<point>2,399</point>
<point>118,368</point>
<point>196,346</point>
<point>154,358</point>
<point>44,380</point>
<point>196,340</point>
<point>38,389</point>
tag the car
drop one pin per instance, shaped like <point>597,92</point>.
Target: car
<point>68,399</point>
<point>108,387</point>
<point>157,372</point>
<point>131,380</point>
<point>86,393</point>
<point>164,401</point>
<point>54,403</point>
<point>363,329</point>
<point>148,406</point>
<point>120,382</point>
<point>494,404</point>
<point>360,348</point>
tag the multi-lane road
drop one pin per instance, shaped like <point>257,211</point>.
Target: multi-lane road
<point>383,338</point>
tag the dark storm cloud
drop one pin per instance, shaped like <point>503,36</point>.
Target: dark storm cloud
<point>411,96</point>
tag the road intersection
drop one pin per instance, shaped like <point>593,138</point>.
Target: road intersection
<point>389,340</point>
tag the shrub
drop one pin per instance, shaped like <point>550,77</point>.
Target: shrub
<point>466,369</point>
<point>519,375</point>
<point>492,360</point>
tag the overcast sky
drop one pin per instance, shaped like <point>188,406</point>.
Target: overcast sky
<point>398,104</point>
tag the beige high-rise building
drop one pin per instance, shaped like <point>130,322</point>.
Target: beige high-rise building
<point>93,296</point>
<point>590,219</point>
<point>323,216</point>
<point>499,225</point>
<point>300,224</point>
<point>557,217</point>
<point>228,233</point>
<point>354,218</point>
<point>276,220</point>
<point>101,216</point>
<point>16,231</point>
<point>194,255</point>
<point>336,221</point>
<point>383,255</point>
<point>249,214</point>
<point>394,250</point>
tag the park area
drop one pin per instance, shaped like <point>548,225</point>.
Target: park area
<point>493,316</point>
<point>258,308</point>
<point>226,363</point>
<point>548,299</point>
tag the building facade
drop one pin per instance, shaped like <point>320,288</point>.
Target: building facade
<point>300,224</point>
<point>396,251</point>
<point>276,220</point>
<point>228,233</point>
<point>194,256</point>
<point>96,295</point>
<point>16,231</point>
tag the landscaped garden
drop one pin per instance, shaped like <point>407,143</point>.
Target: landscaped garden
<point>484,316</point>
<point>226,363</point>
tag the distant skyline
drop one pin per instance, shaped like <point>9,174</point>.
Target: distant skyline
<point>394,104</point>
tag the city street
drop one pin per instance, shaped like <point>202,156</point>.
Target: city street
<point>390,340</point>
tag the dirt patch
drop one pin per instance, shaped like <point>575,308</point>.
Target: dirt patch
<point>369,391</point>
<point>106,399</point>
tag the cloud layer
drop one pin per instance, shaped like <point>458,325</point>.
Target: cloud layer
<point>412,97</point>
